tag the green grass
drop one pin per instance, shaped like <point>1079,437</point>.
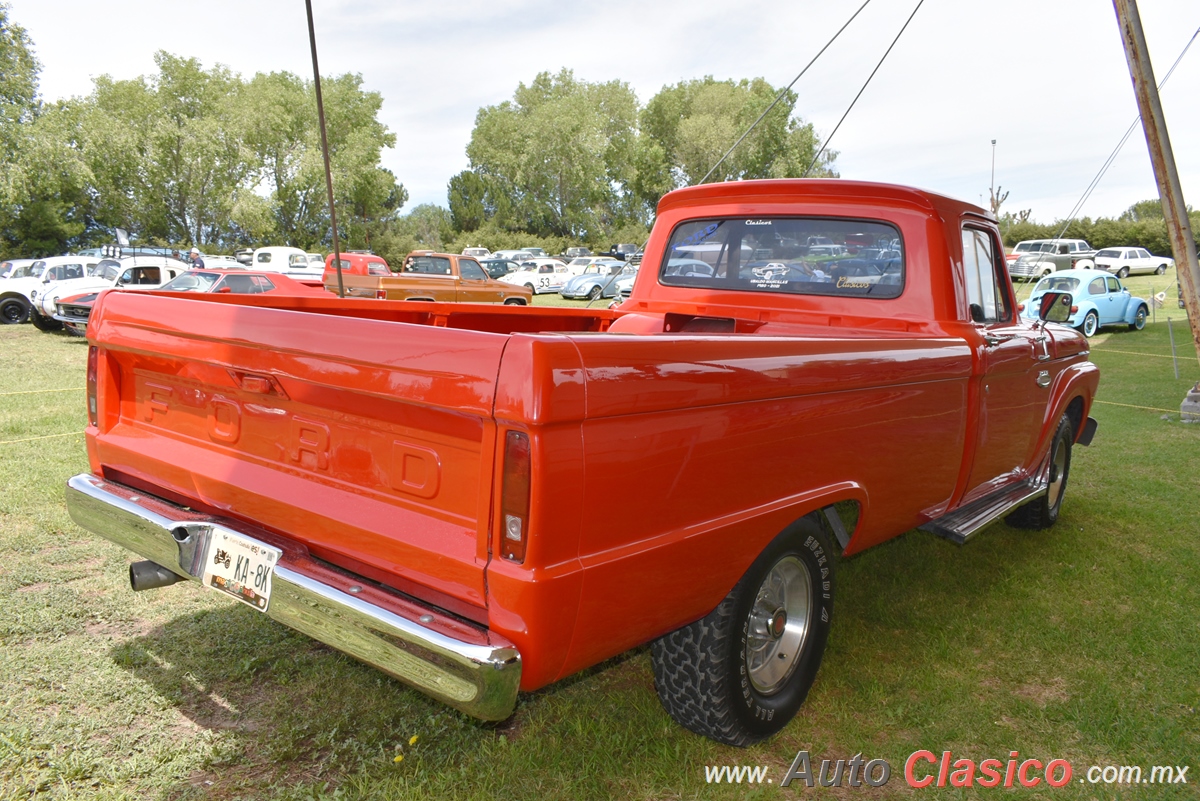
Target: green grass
<point>1081,642</point>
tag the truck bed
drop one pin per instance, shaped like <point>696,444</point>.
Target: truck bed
<point>365,434</point>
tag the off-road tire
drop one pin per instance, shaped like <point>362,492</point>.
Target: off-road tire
<point>1043,512</point>
<point>43,323</point>
<point>14,311</point>
<point>700,670</point>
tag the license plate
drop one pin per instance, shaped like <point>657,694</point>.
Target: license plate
<point>240,567</point>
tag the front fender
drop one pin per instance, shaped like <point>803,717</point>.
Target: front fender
<point>1078,380</point>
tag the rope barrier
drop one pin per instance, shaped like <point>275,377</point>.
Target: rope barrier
<point>40,391</point>
<point>1132,353</point>
<point>1131,406</point>
<point>47,436</point>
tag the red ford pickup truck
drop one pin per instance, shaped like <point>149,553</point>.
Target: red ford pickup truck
<point>416,484</point>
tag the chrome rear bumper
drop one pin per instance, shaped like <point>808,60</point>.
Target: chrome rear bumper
<point>460,665</point>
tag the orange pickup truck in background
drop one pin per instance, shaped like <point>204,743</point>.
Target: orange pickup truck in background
<point>426,275</point>
<point>416,484</point>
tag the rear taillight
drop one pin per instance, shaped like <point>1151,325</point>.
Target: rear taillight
<point>1020,307</point>
<point>91,385</point>
<point>381,294</point>
<point>514,499</point>
<point>1074,309</point>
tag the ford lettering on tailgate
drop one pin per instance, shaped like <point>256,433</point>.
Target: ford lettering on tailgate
<point>358,451</point>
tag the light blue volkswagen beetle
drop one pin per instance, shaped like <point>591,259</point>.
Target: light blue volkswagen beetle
<point>1099,299</point>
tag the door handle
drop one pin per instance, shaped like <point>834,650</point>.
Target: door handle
<point>991,340</point>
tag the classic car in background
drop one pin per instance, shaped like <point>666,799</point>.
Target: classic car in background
<point>1036,258</point>
<point>19,294</point>
<point>540,276</point>
<point>1123,262</point>
<point>134,272</point>
<point>1099,300</point>
<point>73,312</point>
<point>598,280</point>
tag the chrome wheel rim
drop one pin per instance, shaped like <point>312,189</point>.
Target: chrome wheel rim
<point>1058,470</point>
<point>778,625</point>
<point>1089,325</point>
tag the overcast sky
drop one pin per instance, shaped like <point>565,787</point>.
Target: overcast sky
<point>1047,80</point>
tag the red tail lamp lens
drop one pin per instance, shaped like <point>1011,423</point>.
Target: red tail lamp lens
<point>381,294</point>
<point>91,385</point>
<point>1074,309</point>
<point>514,501</point>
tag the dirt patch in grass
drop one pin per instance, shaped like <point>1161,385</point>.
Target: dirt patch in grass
<point>1053,691</point>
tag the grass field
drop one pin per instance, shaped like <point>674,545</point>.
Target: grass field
<point>1081,643</point>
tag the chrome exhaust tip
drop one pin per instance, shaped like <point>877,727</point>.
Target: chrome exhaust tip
<point>149,575</point>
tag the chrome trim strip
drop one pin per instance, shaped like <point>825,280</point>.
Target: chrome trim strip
<point>480,680</point>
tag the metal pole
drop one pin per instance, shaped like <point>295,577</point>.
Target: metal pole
<point>1174,358</point>
<point>337,250</point>
<point>994,176</point>
<point>1154,124</point>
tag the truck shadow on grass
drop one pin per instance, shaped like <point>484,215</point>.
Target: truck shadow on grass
<point>287,709</point>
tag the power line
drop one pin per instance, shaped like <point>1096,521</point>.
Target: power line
<point>1078,207</point>
<point>863,89</point>
<point>786,89</point>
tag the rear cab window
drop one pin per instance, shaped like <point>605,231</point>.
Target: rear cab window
<point>782,255</point>
<point>987,291</point>
<point>428,265</point>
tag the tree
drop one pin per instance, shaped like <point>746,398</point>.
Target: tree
<point>280,129</point>
<point>1144,210</point>
<point>997,198</point>
<point>559,150</point>
<point>18,79</point>
<point>692,124</point>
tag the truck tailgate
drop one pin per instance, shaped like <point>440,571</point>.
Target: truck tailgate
<point>368,441</point>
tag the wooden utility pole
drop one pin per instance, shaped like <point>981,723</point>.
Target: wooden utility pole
<point>1179,228</point>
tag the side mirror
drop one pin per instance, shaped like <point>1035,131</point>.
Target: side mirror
<point>1055,307</point>
<point>224,289</point>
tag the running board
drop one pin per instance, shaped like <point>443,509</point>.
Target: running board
<point>961,524</point>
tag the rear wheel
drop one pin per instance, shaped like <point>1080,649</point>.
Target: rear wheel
<point>514,301</point>
<point>13,311</point>
<point>43,323</point>
<point>1123,272</point>
<point>740,674</point>
<point>1042,512</point>
<point>1139,319</point>
<point>1091,321</point>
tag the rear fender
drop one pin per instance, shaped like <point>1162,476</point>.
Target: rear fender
<point>1132,308</point>
<point>1084,307</point>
